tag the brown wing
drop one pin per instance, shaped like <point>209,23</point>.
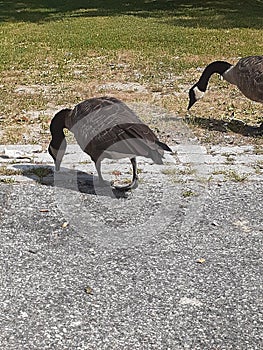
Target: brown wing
<point>93,117</point>
<point>107,123</point>
<point>128,138</point>
<point>249,72</point>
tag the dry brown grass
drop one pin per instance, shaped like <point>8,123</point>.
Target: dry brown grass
<point>27,109</point>
<point>30,97</point>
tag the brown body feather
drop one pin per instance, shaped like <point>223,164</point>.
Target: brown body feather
<point>105,127</point>
<point>107,124</point>
<point>247,75</point>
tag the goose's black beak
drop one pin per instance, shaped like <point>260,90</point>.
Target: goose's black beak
<point>57,156</point>
<point>57,165</point>
<point>189,105</point>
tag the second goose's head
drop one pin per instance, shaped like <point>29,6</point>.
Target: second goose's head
<point>194,95</point>
<point>58,144</point>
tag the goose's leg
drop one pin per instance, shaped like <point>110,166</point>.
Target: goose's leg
<point>134,183</point>
<point>98,168</point>
<point>134,172</point>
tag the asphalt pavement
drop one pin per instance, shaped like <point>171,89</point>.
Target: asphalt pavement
<point>174,264</point>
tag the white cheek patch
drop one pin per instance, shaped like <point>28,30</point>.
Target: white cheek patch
<point>198,93</point>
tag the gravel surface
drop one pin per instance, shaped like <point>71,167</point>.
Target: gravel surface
<point>193,282</point>
<point>175,264</point>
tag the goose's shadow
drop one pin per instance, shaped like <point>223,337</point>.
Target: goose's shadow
<point>235,125</point>
<point>69,179</point>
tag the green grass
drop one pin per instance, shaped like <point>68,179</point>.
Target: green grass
<point>235,176</point>
<point>60,39</point>
<point>188,193</point>
<point>4,171</point>
<point>8,180</point>
<point>68,49</point>
<point>40,172</point>
<point>232,175</point>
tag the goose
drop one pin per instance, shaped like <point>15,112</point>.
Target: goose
<point>105,127</point>
<point>247,75</point>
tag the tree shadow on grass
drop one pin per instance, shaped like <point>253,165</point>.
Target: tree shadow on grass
<point>200,13</point>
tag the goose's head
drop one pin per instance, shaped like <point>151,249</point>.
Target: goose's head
<point>194,95</point>
<point>57,154</point>
<point>58,144</point>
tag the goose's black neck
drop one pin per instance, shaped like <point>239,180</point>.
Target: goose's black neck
<point>57,125</point>
<point>215,67</point>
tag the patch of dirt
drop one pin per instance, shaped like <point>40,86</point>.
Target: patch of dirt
<point>32,89</point>
<point>223,116</point>
<point>126,87</point>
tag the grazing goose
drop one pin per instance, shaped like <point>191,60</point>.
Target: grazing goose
<point>105,127</point>
<point>247,75</point>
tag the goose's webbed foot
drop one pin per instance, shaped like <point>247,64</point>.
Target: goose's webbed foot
<point>131,186</point>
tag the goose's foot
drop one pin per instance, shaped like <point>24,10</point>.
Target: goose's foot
<point>131,186</point>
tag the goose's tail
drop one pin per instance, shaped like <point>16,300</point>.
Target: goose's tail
<point>163,146</point>
<point>157,154</point>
